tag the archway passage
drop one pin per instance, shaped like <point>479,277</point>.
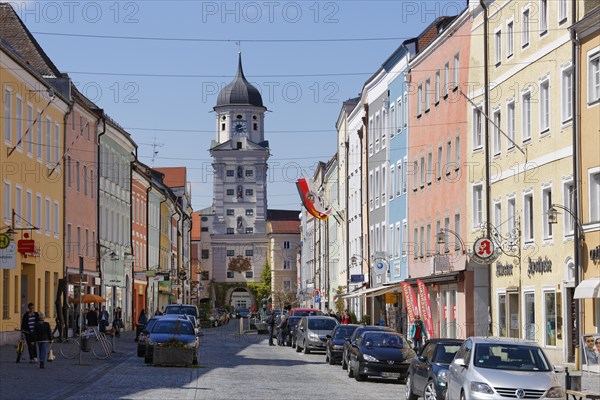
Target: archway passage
<point>240,298</point>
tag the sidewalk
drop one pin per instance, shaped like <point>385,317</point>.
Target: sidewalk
<point>61,378</point>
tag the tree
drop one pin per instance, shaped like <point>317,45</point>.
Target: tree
<point>262,290</point>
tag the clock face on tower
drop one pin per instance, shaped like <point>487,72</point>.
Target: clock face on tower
<point>239,128</point>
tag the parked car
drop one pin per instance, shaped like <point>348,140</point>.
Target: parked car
<point>184,309</point>
<point>242,313</point>
<point>312,333</point>
<point>381,354</point>
<point>170,327</point>
<point>141,343</point>
<point>335,342</point>
<point>492,368</point>
<point>428,370</point>
<point>305,312</point>
<point>357,332</point>
<point>293,322</point>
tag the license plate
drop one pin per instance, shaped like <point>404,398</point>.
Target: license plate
<point>390,374</point>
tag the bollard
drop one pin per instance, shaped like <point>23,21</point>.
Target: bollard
<point>567,379</point>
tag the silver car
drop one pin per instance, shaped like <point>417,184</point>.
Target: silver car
<point>493,368</point>
<point>312,333</point>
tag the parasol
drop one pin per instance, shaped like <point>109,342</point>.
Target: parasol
<point>90,298</point>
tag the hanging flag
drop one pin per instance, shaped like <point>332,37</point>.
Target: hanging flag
<point>311,199</point>
<point>425,306</point>
<point>410,299</point>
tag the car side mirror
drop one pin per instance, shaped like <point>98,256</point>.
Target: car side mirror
<point>328,336</point>
<point>301,328</point>
<point>460,362</point>
<point>422,358</point>
<point>353,343</point>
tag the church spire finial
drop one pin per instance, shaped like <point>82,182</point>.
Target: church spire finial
<point>240,71</point>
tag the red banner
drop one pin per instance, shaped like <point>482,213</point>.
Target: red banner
<point>410,299</point>
<point>425,305</point>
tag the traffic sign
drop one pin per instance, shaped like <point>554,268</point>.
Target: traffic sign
<point>317,298</point>
<point>4,240</point>
<point>316,292</point>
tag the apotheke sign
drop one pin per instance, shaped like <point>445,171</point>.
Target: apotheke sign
<point>539,266</point>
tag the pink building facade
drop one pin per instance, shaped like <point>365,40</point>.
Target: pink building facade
<point>436,174</point>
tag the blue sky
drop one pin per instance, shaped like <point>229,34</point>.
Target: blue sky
<point>162,88</point>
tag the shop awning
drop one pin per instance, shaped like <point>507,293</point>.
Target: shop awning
<point>588,289</point>
<point>386,289</point>
<point>360,293</point>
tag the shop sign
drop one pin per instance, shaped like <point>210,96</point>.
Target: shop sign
<point>391,298</point>
<point>539,266</point>
<point>357,278</point>
<point>8,256</point>
<point>504,269</point>
<point>595,254</point>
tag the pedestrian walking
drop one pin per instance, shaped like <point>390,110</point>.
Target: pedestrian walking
<point>283,326</point>
<point>103,319</point>
<point>141,324</point>
<point>417,333</point>
<point>118,321</point>
<point>43,338</point>
<point>91,318</point>
<point>30,318</point>
<point>271,327</point>
<point>346,318</point>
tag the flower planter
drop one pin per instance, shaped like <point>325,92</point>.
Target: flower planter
<point>173,356</point>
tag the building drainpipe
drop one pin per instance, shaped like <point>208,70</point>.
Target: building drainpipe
<point>368,215</point>
<point>360,188</point>
<point>134,312</point>
<point>488,186</point>
<point>147,243</point>
<point>577,180</point>
<point>347,149</point>
<point>102,121</point>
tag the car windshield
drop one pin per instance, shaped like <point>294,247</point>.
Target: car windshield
<point>150,324</point>
<point>176,327</point>
<point>444,354</point>
<point>510,357</point>
<point>344,332</point>
<point>292,322</point>
<point>181,310</point>
<point>376,339</point>
<point>320,324</point>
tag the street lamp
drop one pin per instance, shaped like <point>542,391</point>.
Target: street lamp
<point>441,239</point>
<point>553,217</point>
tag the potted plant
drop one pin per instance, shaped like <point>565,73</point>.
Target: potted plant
<point>173,352</point>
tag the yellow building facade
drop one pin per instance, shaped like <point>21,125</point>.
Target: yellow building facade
<point>31,151</point>
<point>529,123</point>
<point>587,35</point>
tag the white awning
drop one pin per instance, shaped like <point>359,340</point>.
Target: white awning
<point>385,289</point>
<point>361,292</point>
<point>588,289</point>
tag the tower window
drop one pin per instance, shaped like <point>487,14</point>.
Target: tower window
<point>223,126</point>
<point>239,145</point>
<point>239,116</point>
<point>255,126</point>
<point>254,117</point>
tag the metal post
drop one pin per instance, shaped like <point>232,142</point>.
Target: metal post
<point>80,306</point>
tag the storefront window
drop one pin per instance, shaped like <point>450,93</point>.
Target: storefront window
<point>513,311</point>
<point>448,323</point>
<point>502,315</point>
<point>550,311</point>
<point>530,316</point>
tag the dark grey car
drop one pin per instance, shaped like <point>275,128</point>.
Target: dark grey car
<point>312,333</point>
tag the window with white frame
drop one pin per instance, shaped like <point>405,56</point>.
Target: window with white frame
<point>371,137</point>
<point>8,96</point>
<point>510,39</point>
<point>377,188</point>
<point>498,46</point>
<point>422,171</point>
<point>448,157</point>
<point>18,204</point>
<point>419,99</point>
<point>392,188</point>
<point>415,175</point>
<point>502,314</point>
<point>477,205</point>
<point>47,216</point>
<point>38,139</point>
<point>477,128</point>
<point>7,208</point>
<point>399,178</point>
<point>371,190</point>
<point>28,207</point>
<point>529,313</point>
<point>394,122</point>
<point>594,188</point>
<point>543,16</point>
<point>427,94</point>
<point>593,77</point>
<point>398,241</point>
<point>568,198</point>
<point>457,153</point>
<point>384,127</point>
<point>439,163</point>
<point>404,238</point>
<point>544,106</point>
<point>562,11</point>
<point>510,123</point>
<point>456,71</point>
<point>56,219</point>
<point>19,123</point>
<point>416,243</point>
<point>525,28</point>
<point>30,127</point>
<point>511,214</point>
<point>457,244</point>
<point>446,79</point>
<point>529,218</point>
<point>48,141</point>
<point>526,104</point>
<point>422,242</point>
<point>429,167</point>
<point>446,234</point>
<point>404,172</point>
<point>566,98</point>
<point>497,214</point>
<point>377,133</point>
<point>437,87</point>
<point>550,310</point>
<point>405,111</point>
<point>38,212</point>
<point>286,244</point>
<point>546,204</point>
<point>428,241</point>
<point>287,285</point>
<point>69,239</point>
<point>497,139</point>
<point>384,182</point>
<point>56,144</point>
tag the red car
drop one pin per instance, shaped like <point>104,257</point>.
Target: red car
<point>305,312</point>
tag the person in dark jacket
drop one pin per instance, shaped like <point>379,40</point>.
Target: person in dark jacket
<point>283,328</point>
<point>271,327</point>
<point>141,324</point>
<point>43,337</point>
<point>30,318</point>
<point>91,318</point>
<point>103,322</point>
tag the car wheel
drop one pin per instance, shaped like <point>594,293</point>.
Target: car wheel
<point>306,350</point>
<point>430,392</point>
<point>147,358</point>
<point>360,377</point>
<point>350,372</point>
<point>408,391</point>
<point>298,348</point>
<point>331,361</point>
